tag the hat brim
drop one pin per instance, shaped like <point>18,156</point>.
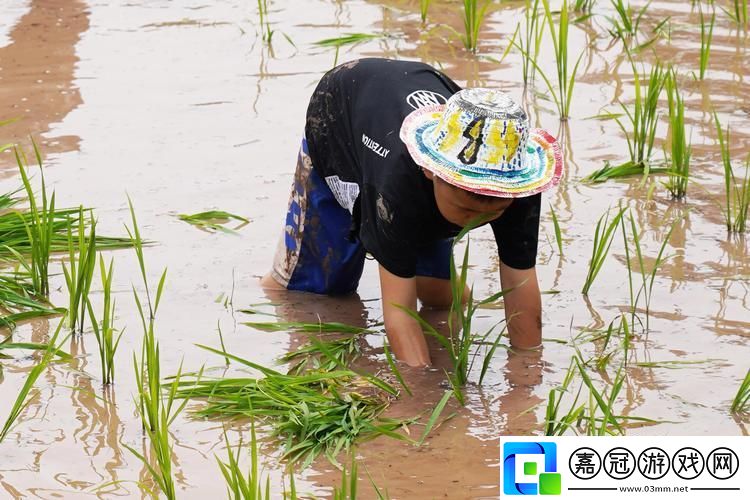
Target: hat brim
<point>541,171</point>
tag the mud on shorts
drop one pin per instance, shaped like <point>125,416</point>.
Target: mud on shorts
<point>315,253</point>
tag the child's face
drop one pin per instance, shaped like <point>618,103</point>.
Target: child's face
<point>459,206</point>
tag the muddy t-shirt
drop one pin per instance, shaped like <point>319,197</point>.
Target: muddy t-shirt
<point>352,131</point>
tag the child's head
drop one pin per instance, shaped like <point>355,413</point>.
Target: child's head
<point>479,153</point>
<point>459,206</point>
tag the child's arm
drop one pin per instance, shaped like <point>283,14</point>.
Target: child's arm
<point>523,306</point>
<point>404,332</point>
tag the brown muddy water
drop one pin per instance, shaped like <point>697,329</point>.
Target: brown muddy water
<point>182,106</point>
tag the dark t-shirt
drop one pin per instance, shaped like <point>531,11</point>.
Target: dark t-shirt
<point>352,131</point>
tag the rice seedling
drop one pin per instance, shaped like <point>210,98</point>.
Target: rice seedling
<point>678,168</point>
<point>604,234</point>
<point>473,17</point>
<point>246,485</point>
<point>741,401</point>
<point>21,401</point>
<point>460,341</point>
<point>738,14</point>
<point>706,36</point>
<point>394,369</point>
<point>737,195</point>
<point>558,232</point>
<point>214,220</point>
<point>424,5</point>
<point>565,81</point>
<point>584,7</point>
<point>319,412</point>
<point>156,410</point>
<point>640,127</point>
<point>531,40</point>
<point>39,228</point>
<point>625,24</point>
<point>265,26</point>
<point>107,338</point>
<point>81,272</point>
<point>647,278</point>
<point>556,424</point>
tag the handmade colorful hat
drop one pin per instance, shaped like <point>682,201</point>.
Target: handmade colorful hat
<point>480,141</point>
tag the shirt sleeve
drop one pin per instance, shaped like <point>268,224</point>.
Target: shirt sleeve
<point>517,232</point>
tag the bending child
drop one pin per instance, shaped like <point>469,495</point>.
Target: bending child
<point>396,159</point>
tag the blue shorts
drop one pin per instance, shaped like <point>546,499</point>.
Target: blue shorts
<point>315,253</point>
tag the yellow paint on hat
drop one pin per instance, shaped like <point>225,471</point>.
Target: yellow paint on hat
<point>453,131</point>
<point>502,142</point>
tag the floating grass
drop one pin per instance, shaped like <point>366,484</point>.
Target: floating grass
<point>604,234</point>
<point>737,194</point>
<point>320,412</point>
<point>107,337</point>
<point>678,169</point>
<point>7,345</point>
<point>78,277</point>
<point>473,17</point>
<point>639,125</point>
<point>214,220</point>
<point>741,401</point>
<point>706,37</point>
<point>348,39</point>
<point>21,401</point>
<point>18,300</point>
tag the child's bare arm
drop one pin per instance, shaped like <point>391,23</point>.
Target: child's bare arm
<point>523,306</point>
<point>404,332</point>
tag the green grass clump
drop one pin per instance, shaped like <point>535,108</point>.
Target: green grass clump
<point>81,272</point>
<point>627,22</point>
<point>678,168</point>
<point>706,37</point>
<point>424,5</point>
<point>563,94</point>
<point>473,17</point>
<point>741,401</point>
<point>738,14</point>
<point>319,412</point>
<point>107,338</point>
<point>531,40</point>
<point>737,194</point>
<point>247,485</point>
<point>39,227</point>
<point>639,127</point>
<point>21,399</point>
<point>604,234</point>
<point>156,410</point>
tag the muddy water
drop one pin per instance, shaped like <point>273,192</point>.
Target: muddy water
<point>182,106</point>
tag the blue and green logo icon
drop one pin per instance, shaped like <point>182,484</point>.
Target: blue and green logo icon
<point>530,468</point>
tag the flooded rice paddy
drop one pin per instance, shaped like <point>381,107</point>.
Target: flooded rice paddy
<point>185,108</point>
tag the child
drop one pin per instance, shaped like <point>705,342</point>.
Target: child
<point>396,159</point>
